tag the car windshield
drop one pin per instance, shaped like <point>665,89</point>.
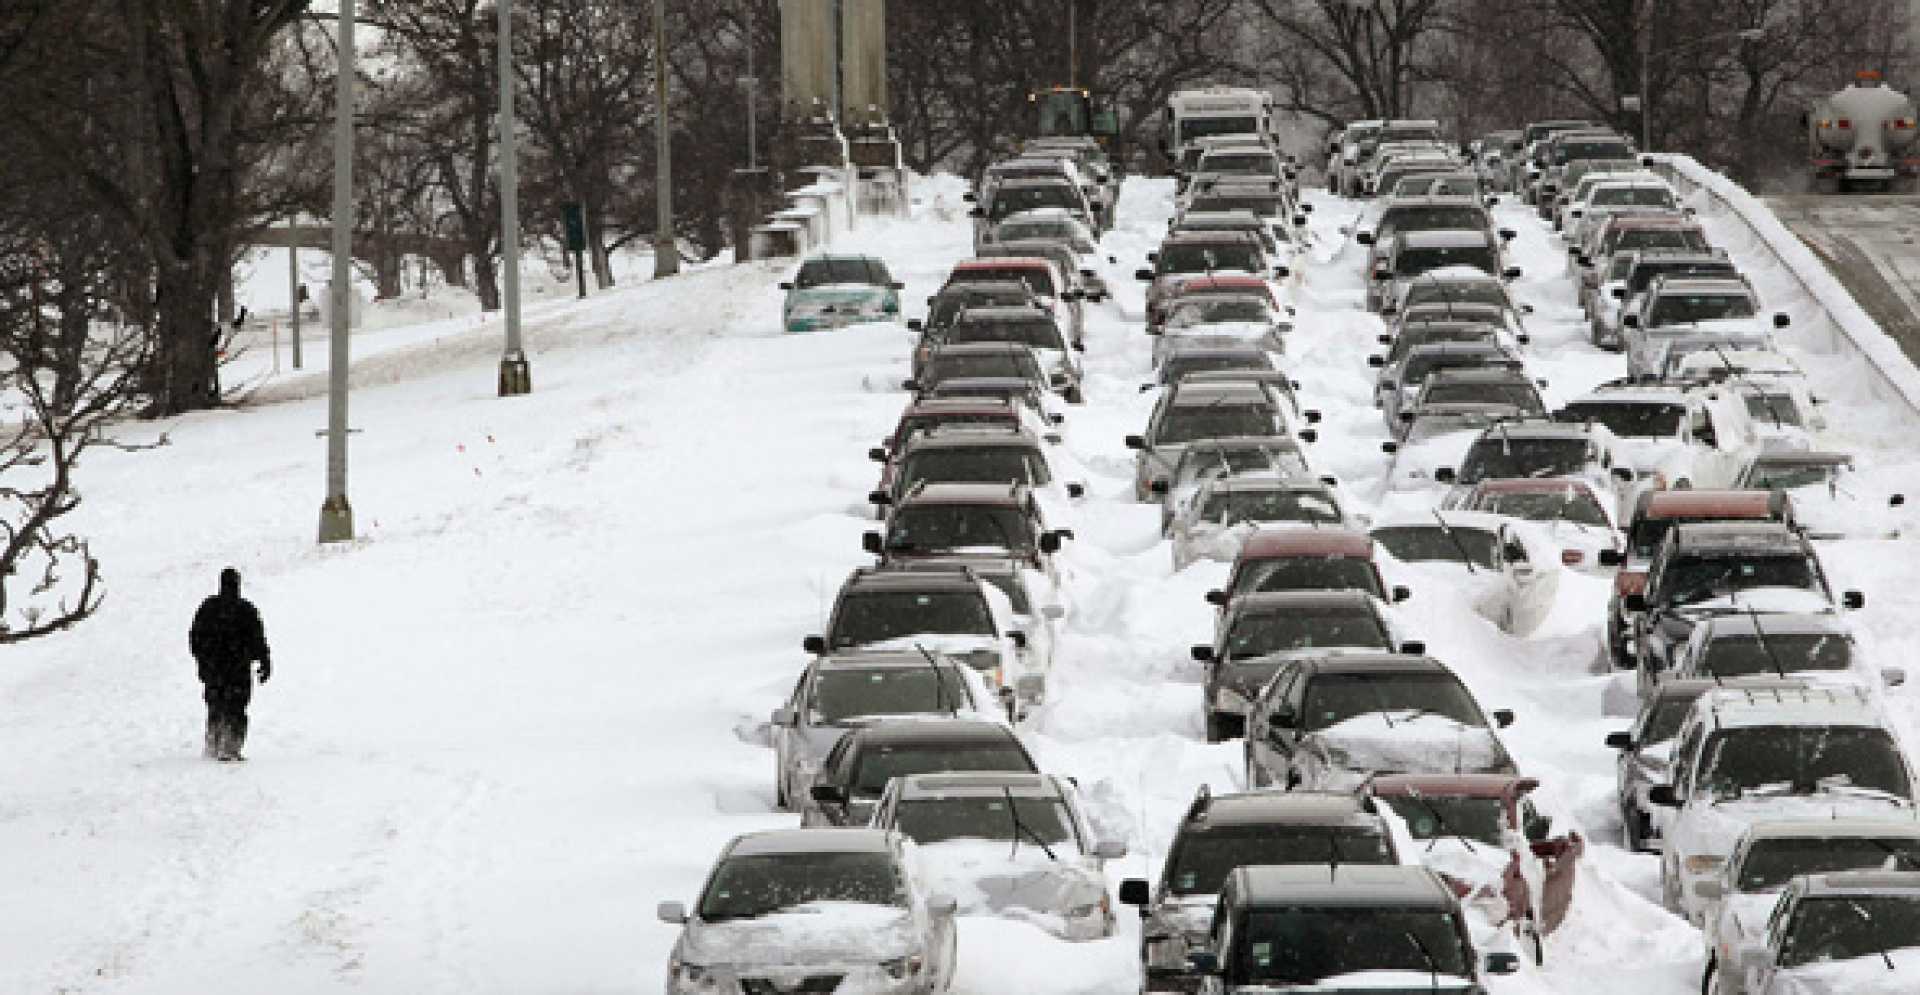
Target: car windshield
<point>1009,363</point>
<point>750,886</point>
<point>1771,863</point>
<point>1497,455</point>
<point>1185,424</point>
<point>1206,258</point>
<point>871,617</point>
<point>1804,760</point>
<point>1843,927</point>
<point>1660,238</point>
<point>1042,334</point>
<point>1518,395</point>
<point>1664,723</point>
<point>1436,218</point>
<point>1192,128</point>
<point>1697,579</point>
<point>1265,206</point>
<point>1234,507</point>
<point>931,527</point>
<point>881,763</point>
<point>1013,200</point>
<point>1202,858</point>
<point>1644,273</point>
<point>1304,627</point>
<point>1311,573</point>
<point>1630,419</point>
<point>1224,309</point>
<point>826,272</point>
<point>1335,698</point>
<point>1565,504</point>
<point>1419,365</point>
<point>1302,945</point>
<point>1431,543</point>
<point>1203,460</point>
<point>1060,230</point>
<point>1454,292</point>
<point>984,817</point>
<point>1748,655</point>
<point>976,465</point>
<point>1478,819</point>
<point>1633,196</point>
<point>1413,262</point>
<point>1244,163</point>
<point>1181,364</point>
<point>1681,309</point>
<point>948,305</point>
<point>842,694</point>
<point>922,423</point>
<point>1773,475</point>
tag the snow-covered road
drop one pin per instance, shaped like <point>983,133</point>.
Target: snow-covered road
<point>528,706</point>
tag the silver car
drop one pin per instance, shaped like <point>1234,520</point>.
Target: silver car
<point>813,910</point>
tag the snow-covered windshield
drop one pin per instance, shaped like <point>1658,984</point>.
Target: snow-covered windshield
<point>1498,455</point>
<point>1039,279</point>
<point>1206,258</point>
<point>1630,419</point>
<point>1305,627</point>
<point>1849,926</point>
<point>1644,273</point>
<point>1204,310</point>
<point>923,528</point>
<point>1771,863</point>
<point>1311,573</point>
<point>984,817</point>
<point>1413,262</point>
<point>1748,655</point>
<point>1419,365</point>
<point>1450,217</point>
<point>1454,292</point>
<point>1778,410</point>
<point>1803,760</point>
<point>1431,543</point>
<point>1682,309</point>
<point>1784,475</point>
<point>1565,504</point>
<point>1302,945</point>
<point>1202,859</point>
<point>1185,424</point>
<point>1335,698</point>
<point>954,300</point>
<point>749,886</point>
<point>1697,579</point>
<point>1234,507</point>
<point>976,465</point>
<point>921,423</point>
<point>1202,460</point>
<point>842,694</point>
<point>1477,819</point>
<point>1010,363</point>
<point>1659,238</point>
<point>1040,334</point>
<point>875,616</point>
<point>826,272</point>
<point>879,764</point>
<point>1516,395</point>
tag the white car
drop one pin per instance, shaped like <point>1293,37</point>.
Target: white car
<point>1007,843</point>
<point>1577,520</point>
<point>1849,932</point>
<point>1504,568</point>
<point>1225,510</point>
<point>1541,449</point>
<point>1673,436</point>
<point>813,910</point>
<point>1744,756</point>
<point>1225,319</point>
<point>1203,461</point>
<point>1831,499</point>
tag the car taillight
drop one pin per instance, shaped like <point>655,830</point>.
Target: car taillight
<point>1571,557</point>
<point>1843,123</point>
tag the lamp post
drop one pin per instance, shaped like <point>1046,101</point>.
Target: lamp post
<point>516,377</point>
<point>1646,64</point>
<point>336,513</point>
<point>666,254</point>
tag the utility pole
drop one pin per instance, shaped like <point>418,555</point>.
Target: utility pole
<point>293,287</point>
<point>516,377</point>
<point>666,253</point>
<point>336,514</point>
<point>751,83</point>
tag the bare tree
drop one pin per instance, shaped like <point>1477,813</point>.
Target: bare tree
<point>1335,60</point>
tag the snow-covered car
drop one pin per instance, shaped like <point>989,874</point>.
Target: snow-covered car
<point>1765,861</point>
<point>848,690</point>
<point>1053,224</point>
<point>928,414</point>
<point>1817,649</point>
<point>857,768</point>
<point>1004,521</point>
<point>1015,196</point>
<point>1503,567</point>
<point>1830,498</point>
<point>1630,271</point>
<point>1413,254</point>
<point>1402,215</point>
<point>1521,874</point>
<point>1709,354</point>
<point>954,611</point>
<point>1175,357</point>
<point>1305,559</point>
<point>834,291</point>
<point>1024,325</point>
<point>813,910</point>
<point>1221,832</point>
<point>1032,595</point>
<point>1852,932</point>
<point>979,359</point>
<point>1225,510</point>
<point>1404,371</point>
<point>1744,756</point>
<point>1278,243</point>
<point>1577,520</point>
<point>1465,396</point>
<point>1186,414</point>
<point>1543,449</point>
<point>1187,255</point>
<point>975,453</point>
<point>1200,462</point>
<point>1502,323</point>
<point>1617,194</point>
<point>1329,722</point>
<point>1675,305</point>
<point>1225,318</point>
<point>1259,632</point>
<point>1052,288</point>
<point>1673,436</point>
<point>1009,844</point>
<point>1786,415</point>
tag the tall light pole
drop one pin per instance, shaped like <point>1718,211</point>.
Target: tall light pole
<point>515,376</point>
<point>336,514</point>
<point>666,253</point>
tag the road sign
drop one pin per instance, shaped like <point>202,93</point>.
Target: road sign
<point>575,221</point>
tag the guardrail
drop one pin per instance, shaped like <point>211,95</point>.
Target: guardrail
<point>1891,376</point>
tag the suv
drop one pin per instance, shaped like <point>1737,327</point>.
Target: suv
<point>1302,559</point>
<point>1678,303</point>
<point>856,770</point>
<point>833,291</point>
<point>1189,413</point>
<point>1327,722</point>
<point>1702,569</point>
<point>1744,755</point>
<point>1013,196</point>
<point>953,611</point>
<point>1815,648</point>
<point>1288,926</point>
<point>1050,287</point>
<point>1575,518</point>
<point>978,359</point>
<point>1260,630</point>
<point>1675,436</point>
<point>1458,398</point>
<point>1222,832</point>
<point>1203,461</point>
<point>1832,932</point>
<point>939,519</point>
<point>1184,255</point>
<point>1541,449</point>
<point>1401,378</point>
<point>1414,253</point>
<point>1628,273</point>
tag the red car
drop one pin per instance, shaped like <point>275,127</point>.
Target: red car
<point>1536,880</point>
<point>1306,559</point>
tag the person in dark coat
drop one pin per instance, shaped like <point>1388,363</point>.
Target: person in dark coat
<point>226,639</point>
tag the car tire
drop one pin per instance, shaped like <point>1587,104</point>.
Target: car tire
<point>1630,830</point>
<point>1215,734</point>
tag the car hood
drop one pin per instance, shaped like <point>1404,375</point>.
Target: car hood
<point>836,294</point>
<point>1829,512</point>
<point>987,876</point>
<point>1427,744</point>
<point>1858,976</point>
<point>1743,916</point>
<point>822,932</point>
<point>1717,826</point>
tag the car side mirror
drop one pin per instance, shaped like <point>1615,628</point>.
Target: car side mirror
<point>909,385</point>
<point>1134,891</point>
<point>1853,600</point>
<point>1377,361</point>
<point>1384,339</point>
<point>878,454</point>
<point>1624,474</point>
<point>1620,740</point>
<point>1618,293</point>
<point>1401,592</point>
<point>1110,850</point>
<point>814,644</point>
<point>829,794</point>
<point>1503,717</point>
<point>1413,647</point>
<point>1049,542</point>
<point>1502,962</point>
<point>1201,653</point>
<point>977,213</point>
<point>1510,273</point>
<point>916,325</point>
<point>1662,795</point>
<point>1282,272</point>
<point>1363,237</point>
<point>1782,319</point>
<point>1389,447</point>
<point>1157,486</point>
<point>1076,490</point>
<point>1143,275</point>
<point>1204,962</point>
<point>1383,274</point>
<point>1635,602</point>
<point>1019,639</point>
<point>1612,557</point>
<point>881,498</point>
<point>870,541</point>
<point>1311,415</point>
<point>1299,221</point>
<point>1137,441</point>
<point>1893,677</point>
<point>786,285</point>
<point>1446,475</point>
<point>1217,598</point>
<point>1082,346</point>
<point>1897,501</point>
<point>1308,435</point>
<point>1630,320</point>
<point>1523,338</point>
<point>1507,234</point>
<point>674,913</point>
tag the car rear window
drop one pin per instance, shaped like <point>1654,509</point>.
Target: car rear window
<point>881,763</point>
<point>823,272</point>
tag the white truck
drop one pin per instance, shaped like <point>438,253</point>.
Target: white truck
<point>1191,115</point>
<point>1862,137</point>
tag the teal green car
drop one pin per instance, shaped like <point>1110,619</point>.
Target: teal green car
<point>837,291</point>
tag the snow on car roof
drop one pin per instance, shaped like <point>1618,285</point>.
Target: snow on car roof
<point>1532,485</point>
<point>1839,827</point>
<point>1862,883</point>
<point>1248,808</point>
<point>950,784</point>
<point>946,492</point>
<point>1716,503</point>
<point>1825,705</point>
<point>1451,785</point>
<point>935,730</point>
<point>816,840</point>
<point>1269,544</point>
<point>1000,262</point>
<point>1779,624</point>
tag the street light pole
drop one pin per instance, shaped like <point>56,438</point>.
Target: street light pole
<point>515,376</point>
<point>666,253</point>
<point>336,513</point>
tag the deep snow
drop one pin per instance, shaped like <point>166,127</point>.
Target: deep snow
<point>529,703</point>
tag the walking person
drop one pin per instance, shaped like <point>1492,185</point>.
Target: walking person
<point>226,639</point>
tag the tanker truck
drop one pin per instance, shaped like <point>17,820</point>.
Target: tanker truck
<point>1862,138</point>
